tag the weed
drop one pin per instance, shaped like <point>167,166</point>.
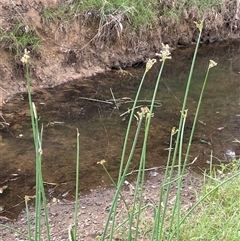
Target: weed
<point>60,15</point>
<point>18,38</point>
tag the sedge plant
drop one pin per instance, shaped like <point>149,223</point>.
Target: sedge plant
<point>40,197</point>
<point>161,210</point>
<point>160,219</point>
<point>145,112</point>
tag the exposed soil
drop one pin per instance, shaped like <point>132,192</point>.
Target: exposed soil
<point>72,51</point>
<point>93,209</point>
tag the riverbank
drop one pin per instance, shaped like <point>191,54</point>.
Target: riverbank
<point>218,211</point>
<point>94,207</point>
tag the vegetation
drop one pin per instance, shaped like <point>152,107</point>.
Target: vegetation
<point>203,221</point>
<point>217,205</point>
<point>139,13</point>
<point>116,15</point>
<point>40,197</point>
<point>217,216</point>
<point>18,38</point>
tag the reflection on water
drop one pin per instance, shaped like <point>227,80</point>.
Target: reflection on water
<point>102,130</point>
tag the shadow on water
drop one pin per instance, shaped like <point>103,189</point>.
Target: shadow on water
<point>102,130</point>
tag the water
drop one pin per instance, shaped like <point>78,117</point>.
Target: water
<point>102,129</point>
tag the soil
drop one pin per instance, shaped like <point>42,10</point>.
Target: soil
<point>94,207</point>
<point>73,51</point>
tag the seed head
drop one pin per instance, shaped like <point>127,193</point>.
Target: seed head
<point>102,162</point>
<point>25,57</point>
<point>150,64</point>
<point>164,53</point>
<point>212,64</point>
<point>199,25</point>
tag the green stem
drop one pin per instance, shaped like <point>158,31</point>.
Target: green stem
<point>186,96</point>
<point>148,127</point>
<point>195,117</point>
<point>114,184</point>
<point>28,220</point>
<point>129,127</point>
<point>77,187</point>
<point>112,211</point>
<point>157,226</point>
<point>176,206</point>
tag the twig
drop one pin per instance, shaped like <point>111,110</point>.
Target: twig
<point>162,167</point>
<point>96,100</point>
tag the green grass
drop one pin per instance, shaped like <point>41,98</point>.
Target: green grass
<point>18,38</point>
<point>139,14</point>
<point>63,14</point>
<point>217,217</point>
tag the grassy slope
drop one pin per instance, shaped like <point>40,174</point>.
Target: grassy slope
<point>140,13</point>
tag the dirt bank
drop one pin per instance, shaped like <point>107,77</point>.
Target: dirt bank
<point>70,48</point>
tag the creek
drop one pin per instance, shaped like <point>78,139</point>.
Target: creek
<point>64,108</point>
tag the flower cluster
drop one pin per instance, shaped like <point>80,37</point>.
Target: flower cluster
<point>164,53</point>
<point>102,162</point>
<point>150,64</point>
<point>145,112</point>
<point>25,57</point>
<point>212,64</point>
<point>199,25</point>
<point>174,131</point>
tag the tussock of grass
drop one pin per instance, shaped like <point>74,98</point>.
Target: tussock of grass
<point>19,37</point>
<point>140,13</point>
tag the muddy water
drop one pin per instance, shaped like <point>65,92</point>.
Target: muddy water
<point>66,107</point>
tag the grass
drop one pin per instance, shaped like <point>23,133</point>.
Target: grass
<point>217,216</point>
<point>113,17</point>
<point>140,13</point>
<point>18,38</point>
<point>63,14</point>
